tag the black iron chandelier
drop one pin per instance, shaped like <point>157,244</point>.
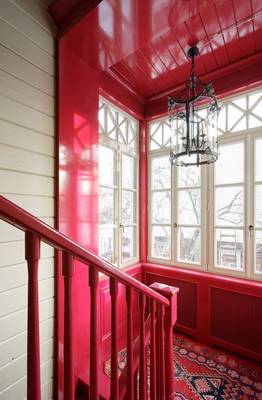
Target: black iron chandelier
<point>193,118</point>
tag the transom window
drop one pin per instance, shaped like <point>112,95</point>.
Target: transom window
<point>210,217</point>
<point>118,167</point>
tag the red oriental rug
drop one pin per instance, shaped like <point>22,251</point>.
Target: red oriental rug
<point>205,373</point>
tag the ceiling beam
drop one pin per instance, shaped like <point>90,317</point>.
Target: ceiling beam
<point>68,13</point>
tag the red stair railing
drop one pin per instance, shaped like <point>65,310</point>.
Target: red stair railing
<point>162,313</point>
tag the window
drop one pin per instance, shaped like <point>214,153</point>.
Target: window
<point>210,217</point>
<point>229,207</point>
<point>118,213</point>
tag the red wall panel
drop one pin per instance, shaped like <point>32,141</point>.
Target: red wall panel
<point>216,309</point>
<point>235,318</point>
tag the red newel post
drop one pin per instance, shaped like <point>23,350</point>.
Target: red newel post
<point>32,255</point>
<point>114,391</point>
<point>170,293</point>
<point>161,352</point>
<point>68,272</point>
<point>93,283</point>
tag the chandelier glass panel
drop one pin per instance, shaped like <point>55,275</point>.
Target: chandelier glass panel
<point>193,118</point>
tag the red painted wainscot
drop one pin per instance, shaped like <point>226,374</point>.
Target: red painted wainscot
<point>215,309</point>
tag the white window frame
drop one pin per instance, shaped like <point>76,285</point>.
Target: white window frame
<point>248,136</point>
<point>120,149</point>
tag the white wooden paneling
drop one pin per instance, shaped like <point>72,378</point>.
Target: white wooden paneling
<point>39,14</point>
<point>19,44</point>
<point>27,150</point>
<point>28,139</point>
<point>27,117</point>
<point>8,282</point>
<point>28,27</point>
<point>23,183</point>
<point>16,346</point>
<point>15,391</point>
<point>12,253</point>
<point>37,205</point>
<point>22,69</point>
<point>19,160</point>
<point>9,233</point>
<point>20,91</point>
<point>16,299</point>
<point>16,323</point>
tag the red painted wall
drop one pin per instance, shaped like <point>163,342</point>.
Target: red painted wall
<point>215,309</point>
<point>79,86</point>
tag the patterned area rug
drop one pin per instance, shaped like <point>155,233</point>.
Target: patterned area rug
<point>205,373</point>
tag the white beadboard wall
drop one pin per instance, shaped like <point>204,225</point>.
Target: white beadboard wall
<point>27,129</point>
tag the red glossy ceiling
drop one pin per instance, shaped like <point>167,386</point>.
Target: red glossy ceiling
<point>143,43</point>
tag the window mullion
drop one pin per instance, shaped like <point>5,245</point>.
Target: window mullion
<point>118,251</point>
<point>174,215</point>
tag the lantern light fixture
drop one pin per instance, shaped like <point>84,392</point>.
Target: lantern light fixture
<point>193,118</point>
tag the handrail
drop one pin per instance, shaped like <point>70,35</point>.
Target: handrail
<point>25,221</point>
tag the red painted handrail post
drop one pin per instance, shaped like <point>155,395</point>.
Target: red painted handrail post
<point>161,340</point>
<point>68,272</point>
<point>93,283</point>
<point>130,357</point>
<point>143,363</point>
<point>32,255</point>
<point>153,350</point>
<point>170,293</point>
<point>114,390</point>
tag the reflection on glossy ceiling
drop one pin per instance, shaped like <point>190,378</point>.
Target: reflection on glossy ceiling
<point>143,43</point>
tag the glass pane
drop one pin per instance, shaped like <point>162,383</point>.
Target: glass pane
<point>189,176</point>
<point>222,119</point>
<point>161,173</point>
<point>234,115</point>
<point>161,206</point>
<point>128,208</point>
<point>128,172</point>
<point>229,206</point>
<point>189,207</point>
<point>106,166</point>
<point>161,242</point>
<point>106,206</point>
<point>241,102</point>
<point>106,244</point>
<point>128,243</point>
<point>156,133</point>
<point>258,160</point>
<point>254,122</point>
<point>258,253</point>
<point>229,168</point>
<point>189,245</point>
<point>253,99</point>
<point>229,249</point>
<point>258,206</point>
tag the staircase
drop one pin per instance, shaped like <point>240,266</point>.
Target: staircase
<point>157,316</point>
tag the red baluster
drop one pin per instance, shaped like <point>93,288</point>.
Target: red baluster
<point>32,255</point>
<point>135,385</point>
<point>153,350</point>
<point>143,363</point>
<point>93,283</point>
<point>114,390</point>
<point>161,338</point>
<point>130,362</point>
<point>170,293</point>
<point>68,272</point>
